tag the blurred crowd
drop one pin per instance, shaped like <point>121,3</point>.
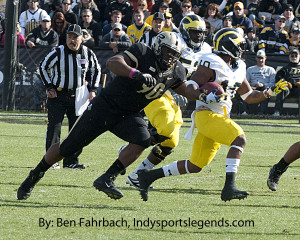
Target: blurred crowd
<point>270,25</point>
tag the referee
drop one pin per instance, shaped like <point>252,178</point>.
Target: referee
<point>63,70</point>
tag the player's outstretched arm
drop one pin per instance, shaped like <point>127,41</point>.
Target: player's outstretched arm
<point>254,96</point>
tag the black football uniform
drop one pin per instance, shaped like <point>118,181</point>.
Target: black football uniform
<point>117,108</point>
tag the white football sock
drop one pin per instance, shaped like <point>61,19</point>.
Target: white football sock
<point>171,170</point>
<point>146,164</point>
<point>232,164</point>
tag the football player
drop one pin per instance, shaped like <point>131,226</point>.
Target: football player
<point>164,114</point>
<point>292,154</point>
<point>212,114</point>
<point>143,74</point>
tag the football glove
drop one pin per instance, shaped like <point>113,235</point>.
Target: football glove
<point>211,97</point>
<point>144,78</point>
<point>181,101</point>
<point>280,86</point>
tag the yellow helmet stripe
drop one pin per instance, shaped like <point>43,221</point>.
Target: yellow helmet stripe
<point>193,23</point>
<point>238,40</point>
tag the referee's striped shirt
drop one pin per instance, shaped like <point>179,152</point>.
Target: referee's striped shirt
<point>148,37</point>
<point>66,69</point>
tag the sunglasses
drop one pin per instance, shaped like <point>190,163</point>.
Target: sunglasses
<point>117,30</point>
<point>66,3</point>
<point>186,6</point>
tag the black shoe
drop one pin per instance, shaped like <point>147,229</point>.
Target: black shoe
<point>273,179</point>
<point>229,193</point>
<point>27,186</point>
<point>144,183</point>
<point>106,185</point>
<point>75,166</point>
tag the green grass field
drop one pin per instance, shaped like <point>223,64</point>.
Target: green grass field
<point>65,198</point>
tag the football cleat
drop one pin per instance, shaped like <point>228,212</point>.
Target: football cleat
<point>133,181</point>
<point>144,183</point>
<point>229,193</point>
<point>273,179</point>
<point>55,166</point>
<point>106,184</point>
<point>74,166</point>
<point>27,186</point>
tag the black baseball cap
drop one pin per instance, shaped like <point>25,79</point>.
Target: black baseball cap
<point>158,15</point>
<point>294,50</point>
<point>164,5</point>
<point>74,28</point>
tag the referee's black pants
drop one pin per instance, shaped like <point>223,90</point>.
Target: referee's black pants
<point>57,107</point>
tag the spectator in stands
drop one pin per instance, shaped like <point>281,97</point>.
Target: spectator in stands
<point>274,39</point>
<point>87,39</point>
<point>291,74</point>
<point>251,9</point>
<point>116,17</point>
<point>259,25</point>
<point>227,22</point>
<point>186,9</point>
<point>88,23</point>
<point>70,16</point>
<point>251,40</point>
<point>101,5</point>
<point>158,23</point>
<point>117,40</point>
<point>60,26</point>
<point>31,18</point>
<point>294,39</point>
<point>209,34</point>
<point>230,6</point>
<point>124,7</point>
<point>239,18</point>
<point>87,4</point>
<point>43,35</point>
<point>162,9</point>
<point>136,30</point>
<point>56,6</point>
<point>290,19</point>
<point>20,37</point>
<point>142,4</point>
<point>174,6</point>
<point>268,9</point>
<point>2,24</point>
<point>169,25</point>
<point>260,77</point>
<point>213,16</point>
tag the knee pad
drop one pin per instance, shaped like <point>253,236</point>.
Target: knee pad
<point>161,152</point>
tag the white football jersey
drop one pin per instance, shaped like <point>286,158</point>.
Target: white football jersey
<point>229,78</point>
<point>189,57</point>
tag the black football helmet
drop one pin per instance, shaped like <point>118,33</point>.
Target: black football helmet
<point>229,41</point>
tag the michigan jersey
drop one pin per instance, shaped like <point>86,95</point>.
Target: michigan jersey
<point>229,78</point>
<point>190,58</point>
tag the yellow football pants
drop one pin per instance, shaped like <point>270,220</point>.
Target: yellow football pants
<point>213,130</point>
<point>165,115</point>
